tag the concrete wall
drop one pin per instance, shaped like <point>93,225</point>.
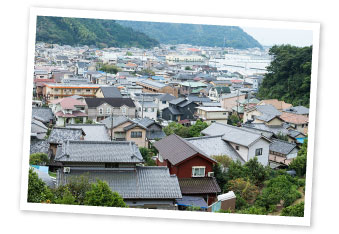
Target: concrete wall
<point>265,145</point>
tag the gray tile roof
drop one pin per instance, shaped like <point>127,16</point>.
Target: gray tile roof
<point>215,145</point>
<point>176,149</point>
<point>153,83</point>
<point>199,185</point>
<point>233,134</point>
<point>111,92</point>
<point>94,132</point>
<point>99,151</point>
<point>139,183</point>
<point>166,97</point>
<point>43,113</point>
<point>59,134</point>
<point>283,147</point>
<point>116,121</point>
<point>39,146</point>
<point>268,110</point>
<point>277,130</point>
<point>177,101</point>
<point>299,110</point>
<point>173,110</point>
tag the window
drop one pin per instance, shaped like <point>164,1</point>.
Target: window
<point>224,113</point>
<point>258,152</point>
<point>136,134</point>
<point>237,147</point>
<point>163,102</point>
<point>198,171</point>
<point>56,90</point>
<point>79,90</point>
<point>88,90</point>
<point>101,111</point>
<point>108,111</point>
<point>123,110</point>
<point>111,165</point>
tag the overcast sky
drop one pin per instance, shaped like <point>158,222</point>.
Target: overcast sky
<point>269,37</point>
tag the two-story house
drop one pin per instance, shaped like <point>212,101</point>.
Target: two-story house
<point>191,165</point>
<point>248,144</point>
<point>179,109</point>
<point>211,114</point>
<point>68,111</point>
<point>101,108</point>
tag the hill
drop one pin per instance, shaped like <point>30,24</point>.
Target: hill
<point>81,31</point>
<point>289,75</point>
<point>200,35</point>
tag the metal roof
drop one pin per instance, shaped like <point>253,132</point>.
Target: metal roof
<point>94,132</point>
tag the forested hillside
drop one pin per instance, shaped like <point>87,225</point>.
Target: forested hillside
<point>289,75</point>
<point>80,31</point>
<point>200,35</point>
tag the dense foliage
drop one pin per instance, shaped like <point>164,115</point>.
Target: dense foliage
<point>195,34</point>
<point>112,69</point>
<point>147,156</point>
<point>233,120</point>
<point>289,75</point>
<point>244,188</point>
<point>101,195</point>
<point>295,210</point>
<point>38,159</point>
<point>299,163</point>
<point>37,190</point>
<point>81,31</point>
<point>283,188</point>
<point>183,131</point>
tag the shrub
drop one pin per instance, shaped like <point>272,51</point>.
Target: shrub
<point>101,195</point>
<point>295,210</point>
<point>67,198</point>
<point>38,159</point>
<point>246,190</point>
<point>240,202</point>
<point>254,210</point>
<point>299,165</point>
<point>223,160</point>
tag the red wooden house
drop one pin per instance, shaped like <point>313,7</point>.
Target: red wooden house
<point>190,164</point>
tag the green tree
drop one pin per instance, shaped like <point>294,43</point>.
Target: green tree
<point>101,195</point>
<point>223,160</point>
<point>233,120</point>
<point>289,75</point>
<point>188,68</point>
<point>195,129</point>
<point>295,210</point>
<point>147,156</point>
<point>38,159</point>
<point>246,190</point>
<point>256,172</point>
<point>112,69</point>
<point>129,53</point>
<point>220,176</point>
<point>299,163</point>
<point>37,190</point>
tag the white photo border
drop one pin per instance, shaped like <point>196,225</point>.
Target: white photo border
<point>134,212</point>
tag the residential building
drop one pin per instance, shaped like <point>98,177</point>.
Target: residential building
<point>68,111</point>
<point>150,86</point>
<point>212,114</point>
<point>119,164</point>
<point>56,91</point>
<point>247,143</point>
<point>282,153</point>
<point>101,108</point>
<point>279,105</point>
<point>108,92</point>
<point>190,164</point>
<point>179,109</point>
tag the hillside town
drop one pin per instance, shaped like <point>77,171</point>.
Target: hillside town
<point>157,124</point>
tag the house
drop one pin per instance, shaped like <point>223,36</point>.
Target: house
<point>267,114</point>
<point>93,132</point>
<point>119,164</point>
<point>279,105</point>
<point>179,109</point>
<point>247,143</point>
<point>188,87</point>
<point>68,111</point>
<point>298,110</point>
<point>297,122</point>
<point>44,114</point>
<point>108,92</point>
<point>126,129</point>
<point>282,153</point>
<point>154,130</point>
<point>212,114</point>
<point>146,109</point>
<point>38,129</point>
<point>190,164</point>
<point>163,101</point>
<point>101,108</point>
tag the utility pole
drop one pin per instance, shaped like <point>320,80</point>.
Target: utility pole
<point>142,107</point>
<point>112,125</point>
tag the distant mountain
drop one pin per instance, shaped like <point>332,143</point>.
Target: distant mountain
<point>81,31</point>
<point>199,35</point>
